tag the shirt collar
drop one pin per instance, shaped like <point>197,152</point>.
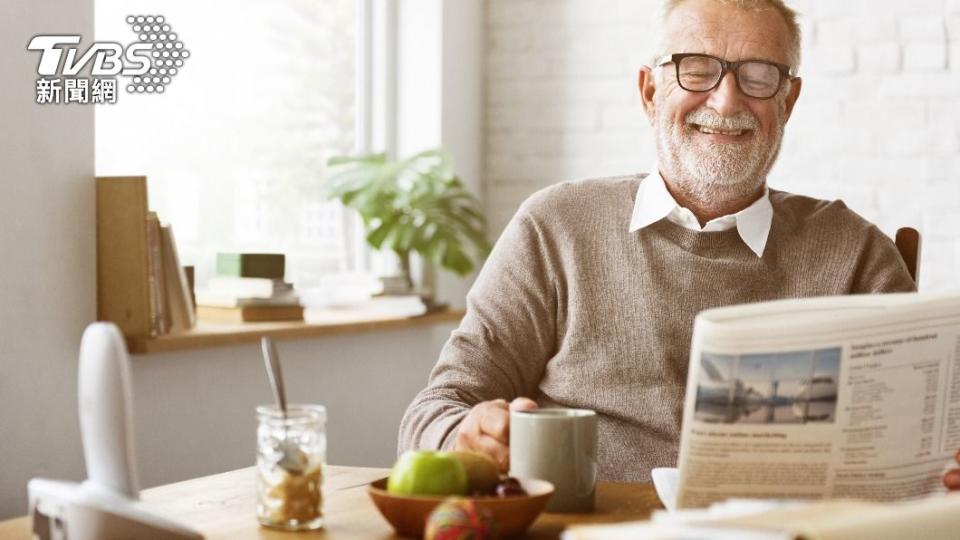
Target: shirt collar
<point>654,202</point>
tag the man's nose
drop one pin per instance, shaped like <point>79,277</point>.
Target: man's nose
<point>726,98</point>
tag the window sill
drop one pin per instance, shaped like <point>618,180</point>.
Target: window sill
<point>210,334</point>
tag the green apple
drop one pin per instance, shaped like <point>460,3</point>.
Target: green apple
<point>422,472</point>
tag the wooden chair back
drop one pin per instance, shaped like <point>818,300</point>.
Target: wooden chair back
<point>908,244</point>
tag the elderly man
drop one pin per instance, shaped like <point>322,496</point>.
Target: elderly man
<point>589,296</point>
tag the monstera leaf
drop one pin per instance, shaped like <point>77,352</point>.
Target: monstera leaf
<point>414,205</point>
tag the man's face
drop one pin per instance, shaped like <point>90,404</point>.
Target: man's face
<point>717,147</point>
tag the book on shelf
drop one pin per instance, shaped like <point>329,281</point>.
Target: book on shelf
<point>245,287</point>
<point>395,285</point>
<point>251,265</point>
<point>249,287</point>
<point>190,272</point>
<point>250,313</point>
<point>180,313</point>
<point>409,305</point>
<point>158,299</point>
<point>215,299</point>
<point>141,286</point>
<point>123,266</point>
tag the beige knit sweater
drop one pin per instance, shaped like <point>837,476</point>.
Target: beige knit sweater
<point>573,310</point>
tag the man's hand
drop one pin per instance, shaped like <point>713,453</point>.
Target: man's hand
<point>952,478</point>
<point>487,429</point>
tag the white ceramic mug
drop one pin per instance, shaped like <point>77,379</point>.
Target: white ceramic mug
<point>560,446</point>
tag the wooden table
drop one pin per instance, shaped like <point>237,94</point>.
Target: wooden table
<point>222,506</point>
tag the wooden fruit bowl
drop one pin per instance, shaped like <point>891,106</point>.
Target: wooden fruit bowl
<point>513,515</point>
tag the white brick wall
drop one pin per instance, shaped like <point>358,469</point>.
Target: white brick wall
<point>877,124</point>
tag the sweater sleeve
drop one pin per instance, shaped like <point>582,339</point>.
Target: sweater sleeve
<point>502,345</point>
<point>881,269</point>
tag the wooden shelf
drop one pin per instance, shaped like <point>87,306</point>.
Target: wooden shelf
<point>319,323</point>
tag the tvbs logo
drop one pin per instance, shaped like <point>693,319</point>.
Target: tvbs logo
<point>107,57</point>
<point>149,64</point>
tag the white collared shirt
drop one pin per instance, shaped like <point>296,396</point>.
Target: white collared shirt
<point>654,202</point>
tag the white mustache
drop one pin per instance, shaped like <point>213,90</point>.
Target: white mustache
<point>706,118</point>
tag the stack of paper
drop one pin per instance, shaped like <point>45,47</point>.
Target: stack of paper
<point>934,518</point>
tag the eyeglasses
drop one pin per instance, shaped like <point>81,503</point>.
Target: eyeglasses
<point>759,79</point>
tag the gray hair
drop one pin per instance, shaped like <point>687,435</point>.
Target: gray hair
<point>789,17</point>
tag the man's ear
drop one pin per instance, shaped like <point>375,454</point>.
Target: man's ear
<point>792,95</point>
<point>646,82</point>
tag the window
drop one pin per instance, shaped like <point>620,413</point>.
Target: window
<point>235,147</point>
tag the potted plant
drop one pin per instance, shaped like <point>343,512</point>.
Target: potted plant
<point>415,205</point>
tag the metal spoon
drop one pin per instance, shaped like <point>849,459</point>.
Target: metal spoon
<point>293,459</point>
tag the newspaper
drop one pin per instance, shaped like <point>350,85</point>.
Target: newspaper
<point>838,397</point>
<point>933,518</point>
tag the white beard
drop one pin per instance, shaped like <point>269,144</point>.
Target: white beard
<point>714,175</point>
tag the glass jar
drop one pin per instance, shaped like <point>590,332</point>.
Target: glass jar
<point>291,453</point>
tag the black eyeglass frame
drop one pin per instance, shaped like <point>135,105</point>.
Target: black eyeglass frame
<point>786,72</point>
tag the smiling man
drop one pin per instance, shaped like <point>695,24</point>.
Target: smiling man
<point>589,296</point>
